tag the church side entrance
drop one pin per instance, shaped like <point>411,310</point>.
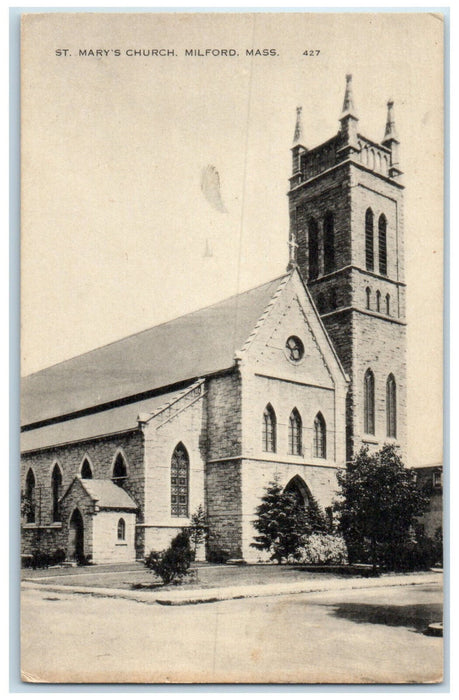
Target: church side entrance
<point>298,489</point>
<point>76,536</point>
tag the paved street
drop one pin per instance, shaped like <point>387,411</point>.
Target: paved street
<point>340,636</point>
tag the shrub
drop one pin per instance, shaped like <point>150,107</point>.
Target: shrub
<point>83,560</point>
<point>217,555</point>
<point>59,556</point>
<point>438,539</point>
<point>40,560</point>
<point>181,541</point>
<point>322,548</point>
<point>215,551</point>
<point>172,564</point>
<point>416,553</point>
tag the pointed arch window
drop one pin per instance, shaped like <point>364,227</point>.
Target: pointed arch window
<point>119,474</point>
<point>388,304</point>
<point>269,429</point>
<point>378,301</point>
<point>30,497</point>
<point>391,406</point>
<point>121,529</point>
<point>320,437</point>
<point>369,403</point>
<point>86,471</point>
<point>368,295</point>
<point>313,232</point>
<point>180,476</point>
<point>295,429</point>
<point>56,488</point>
<point>369,245</point>
<point>329,243</point>
<point>382,243</point>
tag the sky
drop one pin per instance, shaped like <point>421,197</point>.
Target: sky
<point>116,230</point>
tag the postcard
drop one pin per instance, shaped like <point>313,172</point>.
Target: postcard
<point>231,347</point>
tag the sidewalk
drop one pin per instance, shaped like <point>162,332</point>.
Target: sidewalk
<point>211,595</point>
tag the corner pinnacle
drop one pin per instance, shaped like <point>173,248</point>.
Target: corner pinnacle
<point>348,103</point>
<point>298,135</point>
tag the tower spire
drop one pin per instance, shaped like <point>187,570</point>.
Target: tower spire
<point>298,135</point>
<point>390,132</point>
<point>391,141</point>
<point>348,103</point>
<point>349,121</point>
<point>297,148</point>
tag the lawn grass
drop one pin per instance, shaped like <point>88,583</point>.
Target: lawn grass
<point>135,576</point>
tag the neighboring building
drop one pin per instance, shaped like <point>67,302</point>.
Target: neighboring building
<point>122,444</point>
<point>429,480</point>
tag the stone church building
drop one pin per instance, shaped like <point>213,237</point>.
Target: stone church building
<point>121,445</point>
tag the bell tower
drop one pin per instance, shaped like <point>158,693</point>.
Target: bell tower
<point>346,237</point>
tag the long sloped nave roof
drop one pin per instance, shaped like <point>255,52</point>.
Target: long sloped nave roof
<point>195,345</point>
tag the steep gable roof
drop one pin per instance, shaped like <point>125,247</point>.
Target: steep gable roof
<point>103,492</point>
<point>194,345</point>
<point>107,495</point>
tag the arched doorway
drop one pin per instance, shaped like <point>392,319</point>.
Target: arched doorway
<point>298,489</point>
<point>76,536</point>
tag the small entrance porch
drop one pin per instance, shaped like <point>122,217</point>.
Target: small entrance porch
<point>100,519</point>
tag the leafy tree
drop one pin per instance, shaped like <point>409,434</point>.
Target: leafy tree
<point>281,521</point>
<point>198,528</point>
<point>378,502</point>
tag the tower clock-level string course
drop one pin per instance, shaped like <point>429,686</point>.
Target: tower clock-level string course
<point>346,238</point>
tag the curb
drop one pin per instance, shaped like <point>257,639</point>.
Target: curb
<point>214,595</point>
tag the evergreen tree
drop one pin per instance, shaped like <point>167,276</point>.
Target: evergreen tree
<point>378,501</point>
<point>281,521</point>
<point>315,518</point>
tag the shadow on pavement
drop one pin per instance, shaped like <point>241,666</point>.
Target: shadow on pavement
<point>413,617</point>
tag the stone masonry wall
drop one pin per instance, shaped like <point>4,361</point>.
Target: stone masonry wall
<point>256,475</point>
<point>223,486</point>
<point>328,193</point>
<point>224,508</point>
<point>106,545</point>
<point>223,416</point>
<point>284,396</point>
<point>384,197</point>
<point>184,422</point>
<point>335,291</point>
<point>370,342</point>
<point>380,346</point>
<point>49,538</point>
<point>101,453</point>
<point>362,337</point>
